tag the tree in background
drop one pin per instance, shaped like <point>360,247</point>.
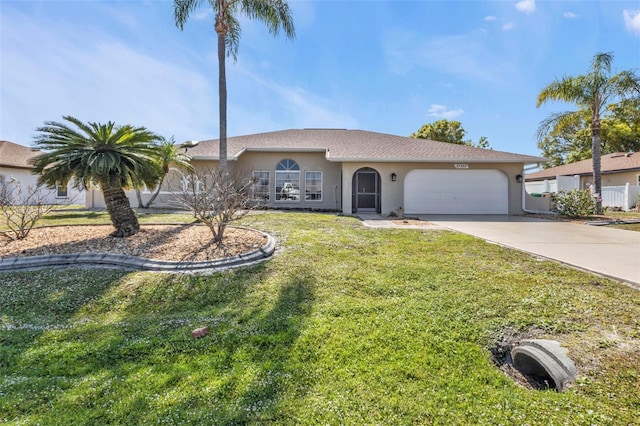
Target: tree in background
<point>621,127</point>
<point>168,155</point>
<point>112,157</point>
<point>450,131</point>
<point>274,13</point>
<point>592,93</point>
<point>570,139</point>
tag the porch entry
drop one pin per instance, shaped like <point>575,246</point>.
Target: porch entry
<point>366,191</point>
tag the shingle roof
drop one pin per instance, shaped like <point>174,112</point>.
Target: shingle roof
<point>356,145</point>
<point>610,163</point>
<point>16,156</point>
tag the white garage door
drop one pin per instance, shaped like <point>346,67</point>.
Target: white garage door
<point>456,192</point>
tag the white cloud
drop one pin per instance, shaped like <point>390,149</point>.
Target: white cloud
<point>275,106</point>
<point>569,15</point>
<point>526,6</point>
<point>490,18</point>
<point>59,70</point>
<point>632,20</point>
<point>466,56</point>
<point>508,26</point>
<point>441,111</point>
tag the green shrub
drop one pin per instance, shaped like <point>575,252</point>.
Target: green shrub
<point>575,203</point>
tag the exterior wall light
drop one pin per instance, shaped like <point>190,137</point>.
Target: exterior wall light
<point>519,178</point>
<point>188,144</point>
<point>393,177</point>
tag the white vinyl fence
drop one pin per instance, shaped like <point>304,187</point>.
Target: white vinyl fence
<point>561,183</point>
<point>625,196</point>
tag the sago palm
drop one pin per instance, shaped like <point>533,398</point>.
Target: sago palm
<point>591,93</point>
<point>274,13</point>
<point>112,157</point>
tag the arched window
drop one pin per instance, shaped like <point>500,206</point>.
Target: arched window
<point>287,164</point>
<point>287,180</point>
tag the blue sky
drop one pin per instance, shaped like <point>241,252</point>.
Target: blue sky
<point>383,66</point>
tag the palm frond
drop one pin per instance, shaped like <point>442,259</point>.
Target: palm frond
<point>601,63</point>
<point>567,89</point>
<point>547,125</point>
<point>95,152</point>
<point>275,14</point>
<point>626,84</point>
<point>182,9</point>
<point>232,38</point>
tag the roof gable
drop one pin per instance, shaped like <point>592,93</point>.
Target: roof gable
<point>355,145</point>
<point>16,156</point>
<point>609,163</point>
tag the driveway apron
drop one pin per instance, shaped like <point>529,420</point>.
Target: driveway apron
<point>607,251</point>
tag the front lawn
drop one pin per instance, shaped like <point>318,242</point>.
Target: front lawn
<point>345,325</point>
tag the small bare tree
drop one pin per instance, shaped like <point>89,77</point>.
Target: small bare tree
<point>21,207</point>
<point>216,198</point>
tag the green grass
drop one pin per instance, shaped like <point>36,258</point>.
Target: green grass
<point>345,325</point>
<point>79,216</point>
<point>624,216</point>
<point>629,227</point>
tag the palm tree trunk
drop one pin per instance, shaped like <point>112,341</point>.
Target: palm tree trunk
<point>222,93</point>
<point>596,149</point>
<point>122,215</point>
<point>155,193</point>
<point>139,197</point>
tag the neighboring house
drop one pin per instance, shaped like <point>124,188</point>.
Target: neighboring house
<point>355,171</point>
<point>617,169</point>
<point>620,178</point>
<point>15,168</point>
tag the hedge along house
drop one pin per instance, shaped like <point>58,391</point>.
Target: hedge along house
<point>355,171</point>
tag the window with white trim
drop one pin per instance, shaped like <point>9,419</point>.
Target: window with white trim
<point>61,191</point>
<point>261,184</point>
<point>287,181</point>
<point>638,180</point>
<point>192,184</point>
<point>313,186</point>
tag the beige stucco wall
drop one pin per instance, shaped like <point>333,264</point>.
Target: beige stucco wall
<point>29,182</point>
<point>337,180</point>
<point>613,179</point>
<point>392,193</point>
<point>308,162</point>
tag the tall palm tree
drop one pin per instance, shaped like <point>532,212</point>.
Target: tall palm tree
<point>113,157</point>
<point>168,155</point>
<point>591,93</point>
<point>274,13</point>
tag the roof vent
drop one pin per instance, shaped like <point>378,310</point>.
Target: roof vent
<point>629,154</point>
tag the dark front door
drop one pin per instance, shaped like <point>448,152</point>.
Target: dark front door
<point>366,188</point>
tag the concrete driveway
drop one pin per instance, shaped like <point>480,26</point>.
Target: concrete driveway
<point>604,250</point>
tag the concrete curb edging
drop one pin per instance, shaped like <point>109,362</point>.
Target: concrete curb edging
<point>134,263</point>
